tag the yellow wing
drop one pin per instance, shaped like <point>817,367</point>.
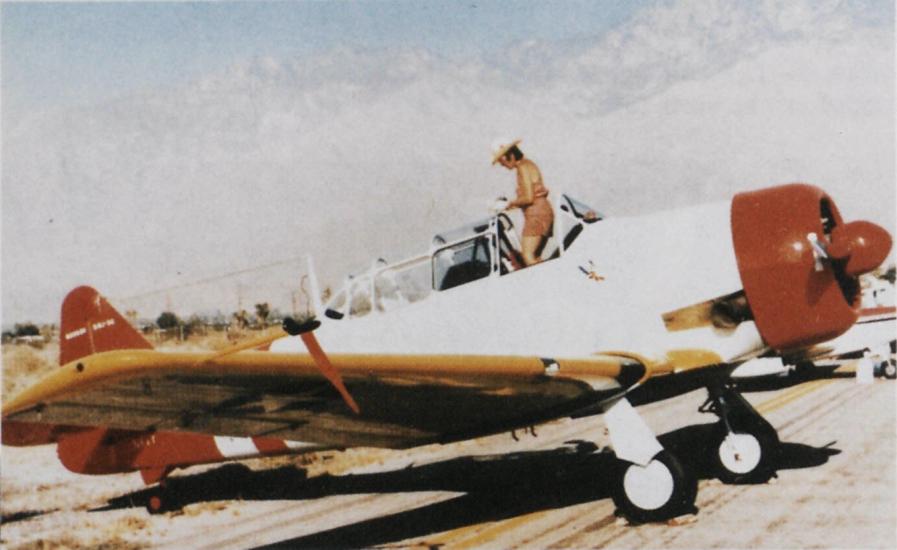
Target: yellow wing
<point>405,400</point>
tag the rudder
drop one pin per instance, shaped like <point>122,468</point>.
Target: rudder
<point>91,325</point>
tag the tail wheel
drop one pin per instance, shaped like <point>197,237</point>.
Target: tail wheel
<point>161,500</point>
<point>661,490</point>
<point>155,504</point>
<point>744,455</point>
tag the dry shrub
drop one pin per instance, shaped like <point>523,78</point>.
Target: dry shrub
<point>25,365</point>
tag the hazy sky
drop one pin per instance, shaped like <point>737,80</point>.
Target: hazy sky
<point>93,52</point>
<point>155,145</point>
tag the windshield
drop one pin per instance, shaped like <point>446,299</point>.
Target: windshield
<point>382,288</point>
<point>403,283</point>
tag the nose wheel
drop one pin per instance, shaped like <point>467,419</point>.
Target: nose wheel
<point>660,490</point>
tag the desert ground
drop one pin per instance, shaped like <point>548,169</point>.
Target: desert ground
<point>836,487</point>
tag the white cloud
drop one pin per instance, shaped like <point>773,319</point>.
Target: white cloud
<point>355,154</point>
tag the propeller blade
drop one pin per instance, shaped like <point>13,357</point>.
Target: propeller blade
<point>305,331</point>
<point>327,369</point>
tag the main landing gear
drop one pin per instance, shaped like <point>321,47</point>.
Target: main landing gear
<point>889,369</point>
<point>661,490</point>
<point>650,484</point>
<point>744,446</point>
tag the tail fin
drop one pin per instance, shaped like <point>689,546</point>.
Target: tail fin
<point>90,325</point>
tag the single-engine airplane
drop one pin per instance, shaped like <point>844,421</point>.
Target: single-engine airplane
<point>462,341</point>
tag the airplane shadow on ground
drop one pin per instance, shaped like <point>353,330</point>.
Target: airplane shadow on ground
<point>494,487</point>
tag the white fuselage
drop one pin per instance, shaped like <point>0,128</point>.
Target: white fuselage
<point>647,265</point>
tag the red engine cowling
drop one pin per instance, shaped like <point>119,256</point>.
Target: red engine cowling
<point>799,298</point>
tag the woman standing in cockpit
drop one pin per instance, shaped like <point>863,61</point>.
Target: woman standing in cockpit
<point>532,198</point>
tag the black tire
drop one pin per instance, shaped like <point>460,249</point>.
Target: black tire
<point>674,500</point>
<point>889,369</point>
<point>759,439</point>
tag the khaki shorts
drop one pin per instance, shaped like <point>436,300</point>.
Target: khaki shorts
<point>538,220</point>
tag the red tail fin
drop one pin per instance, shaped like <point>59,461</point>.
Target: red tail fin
<point>90,325</point>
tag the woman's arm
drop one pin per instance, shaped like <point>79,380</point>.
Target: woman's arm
<point>528,175</point>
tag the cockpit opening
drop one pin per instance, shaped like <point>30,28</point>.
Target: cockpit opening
<point>484,249</point>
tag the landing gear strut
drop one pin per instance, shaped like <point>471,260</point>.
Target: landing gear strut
<point>744,445</point>
<point>650,484</point>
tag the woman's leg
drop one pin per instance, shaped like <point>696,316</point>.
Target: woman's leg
<point>528,247</point>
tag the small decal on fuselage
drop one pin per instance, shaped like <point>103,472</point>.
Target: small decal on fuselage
<point>591,271</point>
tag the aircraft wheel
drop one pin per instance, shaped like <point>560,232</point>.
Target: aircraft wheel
<point>659,491</point>
<point>744,456</point>
<point>889,369</point>
<point>161,500</point>
<point>155,504</point>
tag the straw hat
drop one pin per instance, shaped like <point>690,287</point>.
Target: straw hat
<point>502,146</point>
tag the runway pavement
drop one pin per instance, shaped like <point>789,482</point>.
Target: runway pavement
<point>835,489</point>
